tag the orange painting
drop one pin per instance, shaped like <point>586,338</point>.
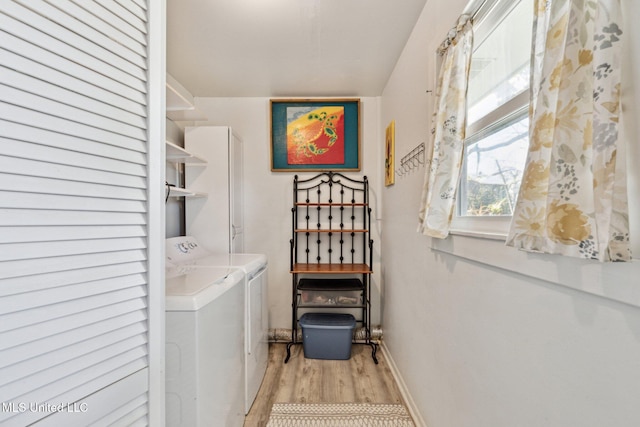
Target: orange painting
<point>315,135</point>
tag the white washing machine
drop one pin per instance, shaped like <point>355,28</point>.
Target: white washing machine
<point>187,252</point>
<point>205,382</point>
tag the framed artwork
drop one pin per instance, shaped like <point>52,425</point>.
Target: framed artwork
<point>389,154</point>
<point>315,134</point>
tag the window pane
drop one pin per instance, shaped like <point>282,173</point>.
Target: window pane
<point>492,169</point>
<point>500,64</point>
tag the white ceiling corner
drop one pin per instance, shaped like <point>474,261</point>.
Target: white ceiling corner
<point>290,48</point>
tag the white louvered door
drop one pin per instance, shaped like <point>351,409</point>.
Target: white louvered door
<point>80,142</point>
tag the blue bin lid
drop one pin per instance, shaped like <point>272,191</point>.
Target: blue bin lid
<point>328,320</point>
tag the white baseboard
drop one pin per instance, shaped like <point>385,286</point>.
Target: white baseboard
<point>408,400</point>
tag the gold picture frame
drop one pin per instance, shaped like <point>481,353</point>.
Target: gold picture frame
<point>389,154</point>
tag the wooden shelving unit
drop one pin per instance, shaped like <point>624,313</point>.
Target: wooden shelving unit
<point>331,250</point>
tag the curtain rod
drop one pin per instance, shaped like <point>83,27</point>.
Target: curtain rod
<point>474,7</point>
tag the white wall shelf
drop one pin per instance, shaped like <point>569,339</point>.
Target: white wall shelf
<point>190,115</point>
<point>177,154</point>
<point>180,104</point>
<point>183,192</point>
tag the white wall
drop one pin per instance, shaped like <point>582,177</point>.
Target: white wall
<point>476,342</point>
<point>268,195</point>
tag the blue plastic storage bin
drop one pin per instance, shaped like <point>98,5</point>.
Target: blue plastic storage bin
<point>327,335</point>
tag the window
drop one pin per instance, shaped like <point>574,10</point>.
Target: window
<point>497,117</point>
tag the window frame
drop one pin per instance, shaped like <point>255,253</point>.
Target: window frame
<point>487,16</point>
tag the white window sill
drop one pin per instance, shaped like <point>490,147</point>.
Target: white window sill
<point>480,234</point>
<point>616,281</point>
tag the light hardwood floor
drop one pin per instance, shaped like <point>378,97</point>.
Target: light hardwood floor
<point>302,380</point>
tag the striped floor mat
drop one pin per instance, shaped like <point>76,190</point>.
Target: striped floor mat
<point>339,415</point>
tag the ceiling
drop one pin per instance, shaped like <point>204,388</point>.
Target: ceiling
<point>287,48</point>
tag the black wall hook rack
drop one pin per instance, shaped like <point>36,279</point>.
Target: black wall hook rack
<point>412,160</point>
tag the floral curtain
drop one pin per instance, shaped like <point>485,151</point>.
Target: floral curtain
<point>449,118</point>
<point>573,198</point>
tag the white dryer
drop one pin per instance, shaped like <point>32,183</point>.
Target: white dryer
<point>204,382</point>
<point>186,251</point>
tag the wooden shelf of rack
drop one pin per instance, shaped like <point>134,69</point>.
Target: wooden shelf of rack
<point>331,268</point>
